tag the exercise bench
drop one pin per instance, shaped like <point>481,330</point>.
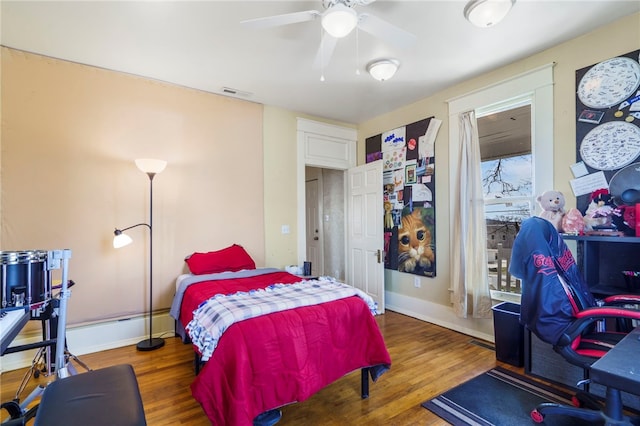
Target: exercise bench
<point>104,397</point>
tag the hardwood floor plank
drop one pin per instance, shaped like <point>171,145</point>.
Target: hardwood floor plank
<point>426,361</point>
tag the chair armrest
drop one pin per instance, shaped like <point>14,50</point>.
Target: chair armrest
<point>608,312</point>
<point>587,317</point>
<point>622,299</point>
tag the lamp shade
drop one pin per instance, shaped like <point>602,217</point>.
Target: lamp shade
<point>121,240</point>
<point>487,13</point>
<point>339,20</point>
<point>150,165</point>
<point>383,69</point>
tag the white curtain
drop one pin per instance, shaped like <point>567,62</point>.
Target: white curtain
<point>470,281</point>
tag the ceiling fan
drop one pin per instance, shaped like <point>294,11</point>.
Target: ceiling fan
<point>338,19</point>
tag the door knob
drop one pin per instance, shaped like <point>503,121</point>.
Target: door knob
<point>315,238</point>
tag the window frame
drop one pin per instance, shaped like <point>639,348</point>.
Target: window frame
<point>536,85</point>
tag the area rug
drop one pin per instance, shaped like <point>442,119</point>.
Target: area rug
<point>498,397</point>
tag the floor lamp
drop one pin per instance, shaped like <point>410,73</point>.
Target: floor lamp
<point>151,168</point>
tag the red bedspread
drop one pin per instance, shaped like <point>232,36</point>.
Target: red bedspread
<point>283,357</point>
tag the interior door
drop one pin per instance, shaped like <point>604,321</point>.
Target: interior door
<point>313,229</point>
<point>365,242</point>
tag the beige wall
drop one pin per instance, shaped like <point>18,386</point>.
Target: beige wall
<point>70,134</point>
<point>280,186</point>
<point>618,38</point>
<point>281,182</point>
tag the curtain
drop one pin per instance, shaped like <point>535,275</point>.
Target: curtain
<point>469,276</point>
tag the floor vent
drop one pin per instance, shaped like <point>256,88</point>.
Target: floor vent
<point>483,344</point>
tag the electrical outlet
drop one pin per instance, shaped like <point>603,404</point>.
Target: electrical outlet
<point>285,229</point>
<point>416,282</point>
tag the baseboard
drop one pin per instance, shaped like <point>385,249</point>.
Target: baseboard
<point>439,315</point>
<point>93,338</point>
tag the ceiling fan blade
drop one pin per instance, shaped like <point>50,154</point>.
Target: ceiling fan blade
<point>385,31</point>
<point>278,20</point>
<point>325,51</point>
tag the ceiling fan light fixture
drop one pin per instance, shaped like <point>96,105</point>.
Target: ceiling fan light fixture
<point>339,20</point>
<point>383,69</point>
<point>487,13</point>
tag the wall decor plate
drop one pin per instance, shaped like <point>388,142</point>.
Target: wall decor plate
<point>626,178</point>
<point>611,145</point>
<point>609,82</point>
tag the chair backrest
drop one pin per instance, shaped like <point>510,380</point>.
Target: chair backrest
<point>553,289</point>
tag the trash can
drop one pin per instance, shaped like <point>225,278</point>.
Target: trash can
<point>509,333</point>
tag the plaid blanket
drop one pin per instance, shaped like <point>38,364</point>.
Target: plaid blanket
<point>217,314</point>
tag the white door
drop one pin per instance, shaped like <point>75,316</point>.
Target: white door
<point>315,253</point>
<point>365,234</point>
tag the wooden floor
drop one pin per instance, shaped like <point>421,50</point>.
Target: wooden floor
<point>426,361</point>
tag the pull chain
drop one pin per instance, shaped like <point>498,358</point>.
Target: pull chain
<point>357,51</point>
<point>321,54</point>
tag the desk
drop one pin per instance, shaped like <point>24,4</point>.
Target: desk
<point>620,367</point>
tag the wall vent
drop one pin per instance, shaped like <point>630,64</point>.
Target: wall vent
<point>236,92</point>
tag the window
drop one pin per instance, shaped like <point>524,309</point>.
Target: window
<point>516,169</point>
<point>507,182</point>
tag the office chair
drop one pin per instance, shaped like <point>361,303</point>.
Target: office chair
<point>557,306</point>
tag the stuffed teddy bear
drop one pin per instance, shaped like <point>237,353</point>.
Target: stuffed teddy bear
<point>552,204</point>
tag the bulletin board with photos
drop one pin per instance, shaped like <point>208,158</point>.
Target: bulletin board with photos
<point>608,140</point>
<point>408,155</point>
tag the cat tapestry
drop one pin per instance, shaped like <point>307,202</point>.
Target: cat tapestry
<point>407,154</point>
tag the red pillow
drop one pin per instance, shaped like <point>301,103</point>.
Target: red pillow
<point>232,258</point>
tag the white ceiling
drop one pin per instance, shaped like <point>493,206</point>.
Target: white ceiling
<point>200,44</point>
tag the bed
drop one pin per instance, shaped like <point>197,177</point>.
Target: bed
<point>268,338</point>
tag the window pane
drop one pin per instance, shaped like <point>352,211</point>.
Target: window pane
<point>506,213</point>
<point>503,222</point>
<point>507,177</point>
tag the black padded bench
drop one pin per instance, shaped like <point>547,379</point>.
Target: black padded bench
<point>105,397</point>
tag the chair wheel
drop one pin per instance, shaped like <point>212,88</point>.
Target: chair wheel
<point>575,401</point>
<point>586,400</point>
<point>537,416</point>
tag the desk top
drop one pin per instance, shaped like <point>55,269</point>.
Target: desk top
<point>11,323</point>
<point>620,367</point>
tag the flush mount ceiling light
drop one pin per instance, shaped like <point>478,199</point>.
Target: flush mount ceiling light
<point>383,69</point>
<point>487,13</point>
<point>339,20</point>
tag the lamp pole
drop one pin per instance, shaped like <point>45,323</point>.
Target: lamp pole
<point>151,167</point>
<point>152,343</point>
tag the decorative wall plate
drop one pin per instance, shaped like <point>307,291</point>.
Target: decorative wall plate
<point>609,82</point>
<point>611,145</point>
